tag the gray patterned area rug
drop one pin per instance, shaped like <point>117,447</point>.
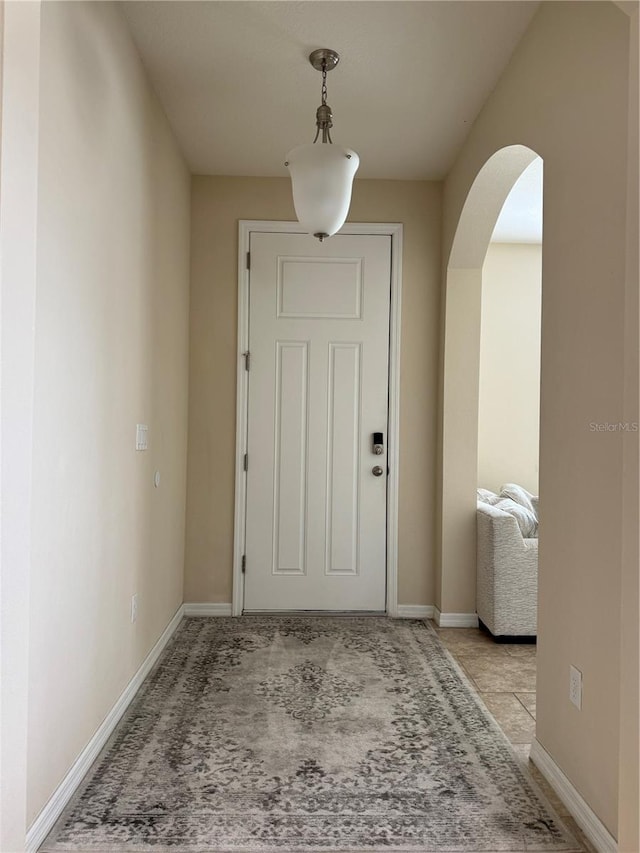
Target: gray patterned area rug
<point>306,734</point>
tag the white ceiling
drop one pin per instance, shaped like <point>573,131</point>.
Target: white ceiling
<point>239,92</point>
<point>520,219</point>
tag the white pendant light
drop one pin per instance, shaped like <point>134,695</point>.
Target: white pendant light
<point>322,175</point>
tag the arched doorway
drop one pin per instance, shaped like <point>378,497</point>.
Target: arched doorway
<point>455,592</point>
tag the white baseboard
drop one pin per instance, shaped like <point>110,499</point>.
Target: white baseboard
<point>414,611</point>
<point>204,609</point>
<point>583,814</point>
<point>45,821</point>
<point>455,620</point>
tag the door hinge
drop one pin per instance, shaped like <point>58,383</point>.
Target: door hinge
<point>246,462</point>
<point>247,360</point>
<point>248,260</point>
<point>244,563</point>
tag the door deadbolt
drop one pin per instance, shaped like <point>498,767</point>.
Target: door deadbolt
<point>377,446</point>
<point>377,471</point>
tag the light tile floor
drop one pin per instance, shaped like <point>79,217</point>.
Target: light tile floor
<point>504,676</point>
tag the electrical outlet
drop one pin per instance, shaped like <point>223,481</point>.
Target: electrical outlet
<point>134,607</point>
<point>575,687</point>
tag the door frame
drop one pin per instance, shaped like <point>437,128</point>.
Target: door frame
<point>393,230</point>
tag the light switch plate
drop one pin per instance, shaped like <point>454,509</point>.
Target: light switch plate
<point>141,436</point>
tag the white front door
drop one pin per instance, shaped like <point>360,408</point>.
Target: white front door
<point>318,390</point>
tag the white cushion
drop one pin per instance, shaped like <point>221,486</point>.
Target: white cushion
<point>487,497</point>
<point>526,518</point>
<point>520,496</point>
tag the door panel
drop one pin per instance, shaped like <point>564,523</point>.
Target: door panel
<point>324,288</point>
<point>318,389</point>
<point>290,468</point>
<point>343,457</point>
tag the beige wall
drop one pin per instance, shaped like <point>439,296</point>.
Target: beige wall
<point>509,388</point>
<point>217,205</point>
<point>19,57</point>
<point>629,776</point>
<point>565,94</point>
<point>111,350</point>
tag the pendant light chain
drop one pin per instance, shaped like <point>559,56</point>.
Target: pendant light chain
<point>324,82</point>
<point>324,118</point>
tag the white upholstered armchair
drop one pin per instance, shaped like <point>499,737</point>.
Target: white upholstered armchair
<point>507,574</point>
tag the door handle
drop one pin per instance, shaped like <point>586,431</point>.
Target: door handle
<point>377,471</point>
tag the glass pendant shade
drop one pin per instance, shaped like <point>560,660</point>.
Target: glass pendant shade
<point>321,180</point>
